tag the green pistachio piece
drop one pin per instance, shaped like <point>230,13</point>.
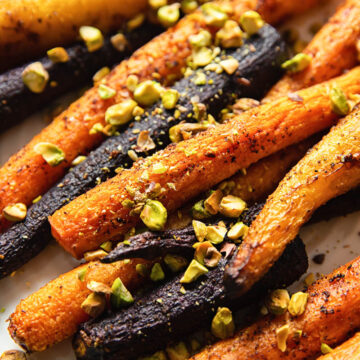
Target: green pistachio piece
<point>212,203</point>
<point>297,304</point>
<point>157,273</point>
<point>100,74</point>
<point>200,230</point>
<point>147,92</point>
<point>339,102</point>
<point>94,255</point>
<point>237,231</point>
<point>119,42</point>
<point>79,159</point>
<point>120,114</point>
<point>106,246</point>
<point>98,287</point>
<point>178,351</point>
<point>282,334</point>
<point>251,22</point>
<point>37,199</point>
<point>298,63</point>
<point>214,15</point>
<point>215,234</point>
<point>142,270</point>
<point>106,92</point>
<point>207,254</point>
<point>230,35</point>
<point>198,211</point>
<point>94,304</point>
<point>222,325</point>
<point>168,15</point>
<point>202,56</point>
<point>52,154</point>
<point>232,206</point>
<point>175,262</point>
<point>325,349</point>
<point>278,301</point>
<point>13,355</point>
<point>131,82</point>
<point>92,37</point>
<point>120,295</point>
<point>199,79</point>
<point>35,77</point>
<point>58,55</point>
<point>202,39</point>
<point>135,22</point>
<point>155,4</point>
<point>193,272</point>
<point>230,65</point>
<point>15,212</point>
<point>188,6</point>
<point>81,274</point>
<point>169,98</point>
<point>154,215</point>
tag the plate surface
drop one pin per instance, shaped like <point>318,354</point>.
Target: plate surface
<point>339,238</point>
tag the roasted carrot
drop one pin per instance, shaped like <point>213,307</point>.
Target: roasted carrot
<point>197,164</point>
<point>331,168</point>
<point>333,50</point>
<point>54,312</point>
<point>26,175</point>
<point>332,313</point>
<point>30,27</point>
<point>349,350</point>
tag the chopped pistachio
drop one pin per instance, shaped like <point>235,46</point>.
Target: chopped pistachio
<point>15,212</point>
<point>155,4</point>
<point>184,131</point>
<point>154,215</point>
<point>100,74</point>
<point>282,334</point>
<point>147,92</point>
<point>200,230</point>
<point>325,349</point>
<point>131,82</point>
<point>175,262</point>
<point>207,254</point>
<point>297,334</point>
<point>244,104</point>
<point>106,246</point>
<point>237,231</point>
<point>309,279</point>
<point>79,159</point>
<point>35,77</point>
<point>94,304</point>
<point>198,211</point>
<point>212,203</point>
<point>188,6</point>
<point>106,92</point>
<point>178,351</point>
<point>169,98</point>
<point>157,273</point>
<point>251,22</point>
<point>98,287</point>
<point>58,55</point>
<point>200,78</point>
<point>222,325</point>
<point>298,63</point>
<point>120,295</point>
<point>138,111</point>
<point>232,206</point>
<point>81,274</point>
<point>119,41</point>
<point>37,199</point>
<point>214,15</point>
<point>52,154</point>
<point>13,355</point>
<point>132,155</point>
<point>168,15</point>
<point>120,114</point>
<point>230,35</point>
<point>96,128</point>
<point>277,301</point>
<point>142,270</point>
<point>159,168</point>
<point>230,65</point>
<point>145,142</point>
<point>201,56</point>
<point>339,102</point>
<point>215,234</point>
<point>201,39</point>
<point>297,304</point>
<point>135,22</point>
<point>94,255</point>
<point>193,272</point>
<point>92,37</point>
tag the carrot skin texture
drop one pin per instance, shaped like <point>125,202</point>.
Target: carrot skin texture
<point>333,51</point>
<point>231,146</point>
<point>331,168</point>
<point>54,312</point>
<point>332,313</point>
<point>349,350</point>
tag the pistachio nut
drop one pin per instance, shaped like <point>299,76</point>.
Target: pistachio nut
<point>51,153</point>
<point>325,349</point>
<point>147,92</point>
<point>94,304</point>
<point>230,35</point>
<point>175,262</point>
<point>237,231</point>
<point>230,65</point>
<point>339,101</point>
<point>169,98</point>
<point>92,37</point>
<point>198,211</point>
<point>131,82</point>
<point>178,351</point>
<point>297,304</point>
<point>222,325</point>
<point>94,255</point>
<point>157,273</point>
<point>298,63</point>
<point>214,14</point>
<point>15,212</point>
<point>106,246</point>
<point>193,272</point>
<point>144,142</point>
<point>79,159</point>
<point>119,42</point>
<point>105,92</point>
<point>98,287</point>
<point>35,77</point>
<point>277,301</point>
<point>212,203</point>
<point>201,39</point>
<point>155,4</point>
<point>232,206</point>
<point>81,274</point>
<point>154,215</point>
<point>120,296</point>
<point>251,22</point>
<point>201,56</point>
<point>215,234</point>
<point>200,230</point>
<point>184,131</point>
<point>58,55</point>
<point>282,334</point>
<point>168,15</point>
<point>207,254</point>
<point>100,74</point>
<point>135,22</point>
<point>188,6</point>
<point>120,114</point>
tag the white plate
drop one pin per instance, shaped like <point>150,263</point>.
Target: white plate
<point>339,239</point>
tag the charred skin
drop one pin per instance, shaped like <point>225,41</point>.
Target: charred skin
<point>19,102</point>
<point>26,239</point>
<point>117,334</point>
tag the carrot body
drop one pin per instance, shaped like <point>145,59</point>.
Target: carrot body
<point>332,313</point>
<point>54,312</point>
<point>331,168</point>
<point>349,350</point>
<point>197,164</point>
<point>333,50</point>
